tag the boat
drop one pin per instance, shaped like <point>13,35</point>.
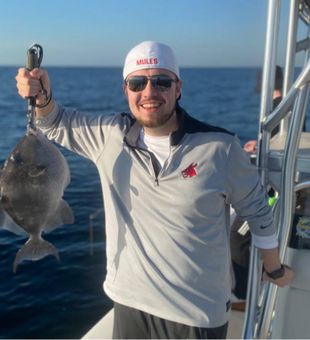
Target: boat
<point>284,164</point>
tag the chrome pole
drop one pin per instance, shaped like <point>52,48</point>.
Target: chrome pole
<point>290,56</point>
<point>268,78</point>
<point>291,46</point>
<point>286,201</point>
<point>286,104</point>
<point>268,75</point>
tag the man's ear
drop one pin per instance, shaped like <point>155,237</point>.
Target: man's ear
<point>179,88</point>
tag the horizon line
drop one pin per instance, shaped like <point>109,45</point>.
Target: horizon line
<point>115,66</point>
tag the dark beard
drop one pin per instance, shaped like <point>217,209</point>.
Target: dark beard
<point>158,122</point>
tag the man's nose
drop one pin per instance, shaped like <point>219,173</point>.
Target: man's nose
<point>149,89</point>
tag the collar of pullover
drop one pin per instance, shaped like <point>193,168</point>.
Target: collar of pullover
<point>186,125</point>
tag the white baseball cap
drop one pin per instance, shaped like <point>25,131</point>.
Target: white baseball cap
<point>150,54</point>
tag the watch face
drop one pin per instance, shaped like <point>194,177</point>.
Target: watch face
<point>276,274</point>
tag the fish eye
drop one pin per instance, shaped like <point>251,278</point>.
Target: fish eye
<point>16,159</point>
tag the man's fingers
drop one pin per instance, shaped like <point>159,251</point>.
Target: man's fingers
<point>31,83</point>
<point>42,75</point>
<point>26,91</point>
<point>37,73</point>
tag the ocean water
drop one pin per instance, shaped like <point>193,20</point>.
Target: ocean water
<point>51,299</point>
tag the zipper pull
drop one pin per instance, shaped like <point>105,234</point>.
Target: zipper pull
<point>156,182</point>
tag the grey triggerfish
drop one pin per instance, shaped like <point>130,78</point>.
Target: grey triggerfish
<point>32,184</point>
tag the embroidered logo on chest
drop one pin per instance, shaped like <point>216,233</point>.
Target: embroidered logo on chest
<point>190,171</point>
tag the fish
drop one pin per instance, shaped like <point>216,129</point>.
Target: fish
<point>32,184</point>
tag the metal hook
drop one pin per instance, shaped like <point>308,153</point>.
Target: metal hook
<point>35,56</point>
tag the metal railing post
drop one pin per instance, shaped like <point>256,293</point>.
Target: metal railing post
<point>290,56</point>
<point>268,79</point>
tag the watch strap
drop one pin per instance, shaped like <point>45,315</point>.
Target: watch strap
<point>277,273</point>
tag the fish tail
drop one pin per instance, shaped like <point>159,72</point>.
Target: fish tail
<point>34,249</point>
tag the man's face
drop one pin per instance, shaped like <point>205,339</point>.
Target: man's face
<point>153,108</point>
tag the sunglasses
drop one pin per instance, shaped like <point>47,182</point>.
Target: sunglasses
<point>160,82</point>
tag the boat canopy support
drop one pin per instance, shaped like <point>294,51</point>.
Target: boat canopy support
<point>284,165</point>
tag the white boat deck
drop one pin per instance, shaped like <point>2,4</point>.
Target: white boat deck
<point>235,325</point>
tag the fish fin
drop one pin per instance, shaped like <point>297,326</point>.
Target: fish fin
<point>63,215</point>
<point>7,223</point>
<point>34,249</point>
<point>66,212</point>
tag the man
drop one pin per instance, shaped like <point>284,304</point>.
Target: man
<point>167,182</point>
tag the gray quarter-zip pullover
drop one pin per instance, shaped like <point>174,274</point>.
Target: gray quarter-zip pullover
<point>167,228</point>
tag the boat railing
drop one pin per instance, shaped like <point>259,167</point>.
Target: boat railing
<point>267,294</point>
<point>290,113</point>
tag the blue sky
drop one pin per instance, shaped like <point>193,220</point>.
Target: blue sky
<point>100,32</point>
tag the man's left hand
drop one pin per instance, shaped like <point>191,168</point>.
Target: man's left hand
<point>285,280</point>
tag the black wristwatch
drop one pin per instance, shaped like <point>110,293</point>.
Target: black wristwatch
<point>276,274</point>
